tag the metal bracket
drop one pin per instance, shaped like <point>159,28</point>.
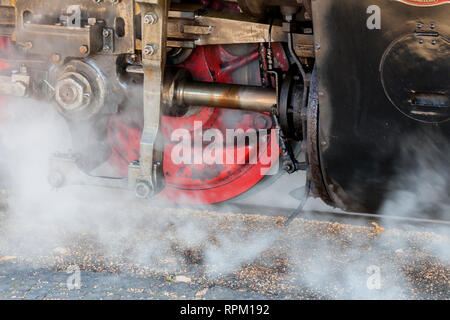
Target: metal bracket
<point>150,180</point>
<point>108,40</point>
<point>185,31</point>
<point>17,84</point>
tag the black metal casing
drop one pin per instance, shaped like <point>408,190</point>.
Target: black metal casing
<point>379,89</point>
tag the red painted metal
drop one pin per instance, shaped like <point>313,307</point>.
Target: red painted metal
<point>221,5</point>
<point>203,184</point>
<point>425,3</point>
<point>189,183</point>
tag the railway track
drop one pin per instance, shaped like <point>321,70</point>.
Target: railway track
<point>330,215</point>
<point>339,216</point>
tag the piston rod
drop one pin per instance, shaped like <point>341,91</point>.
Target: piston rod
<point>229,96</point>
<point>180,91</point>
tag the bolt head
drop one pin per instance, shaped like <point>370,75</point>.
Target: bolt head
<point>72,92</point>
<point>84,49</point>
<point>143,190</point>
<point>149,50</point>
<point>106,33</point>
<point>150,18</point>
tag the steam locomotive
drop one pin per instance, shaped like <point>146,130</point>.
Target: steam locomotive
<point>200,101</point>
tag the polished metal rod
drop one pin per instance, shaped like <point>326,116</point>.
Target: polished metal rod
<point>229,96</point>
<point>219,95</point>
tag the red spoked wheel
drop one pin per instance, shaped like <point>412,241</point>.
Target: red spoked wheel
<point>203,183</point>
<point>425,3</point>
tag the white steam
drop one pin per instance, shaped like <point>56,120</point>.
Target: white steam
<point>329,260</point>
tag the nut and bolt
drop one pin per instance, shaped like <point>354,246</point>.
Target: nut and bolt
<point>84,49</point>
<point>288,166</point>
<point>143,190</point>
<point>106,48</point>
<point>150,18</point>
<point>149,50</point>
<point>106,33</point>
<point>69,94</point>
<point>131,58</point>
<point>72,92</point>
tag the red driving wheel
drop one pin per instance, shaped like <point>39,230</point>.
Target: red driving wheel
<point>202,183</point>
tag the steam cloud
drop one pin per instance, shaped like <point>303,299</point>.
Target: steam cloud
<point>41,221</point>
